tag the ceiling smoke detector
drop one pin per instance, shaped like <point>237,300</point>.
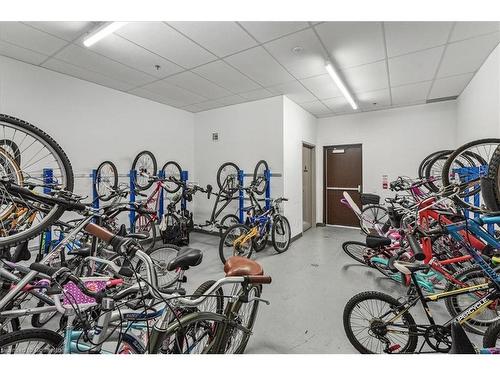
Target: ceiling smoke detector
<point>297,50</point>
<point>157,67</point>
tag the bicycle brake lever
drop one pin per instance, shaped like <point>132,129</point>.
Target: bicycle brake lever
<point>259,299</point>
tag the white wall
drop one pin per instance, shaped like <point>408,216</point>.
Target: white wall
<point>478,107</point>
<point>93,123</point>
<point>298,126</point>
<point>394,141</point>
<point>248,132</point>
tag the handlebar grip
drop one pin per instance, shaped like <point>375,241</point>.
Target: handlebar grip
<point>418,253</point>
<point>259,279</point>
<point>43,268</point>
<point>99,232</point>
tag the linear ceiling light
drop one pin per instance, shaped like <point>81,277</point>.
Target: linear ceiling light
<point>103,32</point>
<point>329,68</point>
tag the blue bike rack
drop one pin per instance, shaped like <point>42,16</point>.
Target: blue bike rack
<point>48,179</point>
<point>95,194</point>
<point>184,178</point>
<point>241,180</point>
<point>267,196</point>
<point>468,174</point>
<point>132,177</point>
<point>161,209</point>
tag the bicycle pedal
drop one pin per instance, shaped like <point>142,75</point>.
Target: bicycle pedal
<point>393,348</point>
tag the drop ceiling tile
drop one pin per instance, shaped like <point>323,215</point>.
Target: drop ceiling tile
<point>310,61</point>
<point>226,76</point>
<point>467,56</point>
<point>294,91</point>
<point>260,66</point>
<point>256,94</point>
<point>415,67</point>
<point>373,100</point>
<point>67,30</point>
<point>119,49</point>
<point>19,53</point>
<point>173,94</point>
<point>220,38</point>
<point>230,100</point>
<point>191,108</point>
<point>210,104</point>
<point>338,105</point>
<point>410,94</point>
<point>78,72</point>
<point>30,38</point>
<point>198,85</point>
<point>316,108</point>
<point>163,40</point>
<point>353,43</point>
<point>404,37</point>
<point>367,77</point>
<point>87,59</point>
<point>265,31</point>
<point>464,30</point>
<point>450,86</point>
<point>322,86</point>
<point>157,97</point>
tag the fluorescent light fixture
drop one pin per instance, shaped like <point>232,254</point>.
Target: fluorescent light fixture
<point>330,69</point>
<point>103,32</point>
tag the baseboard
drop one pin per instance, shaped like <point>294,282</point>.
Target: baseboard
<point>210,232</point>
<point>296,237</point>
<point>320,224</point>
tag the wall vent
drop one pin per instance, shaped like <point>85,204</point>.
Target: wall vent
<point>215,137</point>
<point>443,99</point>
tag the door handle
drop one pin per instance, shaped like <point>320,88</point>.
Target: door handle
<point>359,188</point>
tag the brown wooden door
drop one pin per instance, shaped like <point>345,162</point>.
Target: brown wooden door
<point>343,172</point>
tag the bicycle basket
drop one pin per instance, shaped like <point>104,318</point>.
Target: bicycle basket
<point>367,198</point>
<point>74,296</point>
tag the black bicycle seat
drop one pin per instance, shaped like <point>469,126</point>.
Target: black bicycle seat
<point>376,242</point>
<point>185,258</point>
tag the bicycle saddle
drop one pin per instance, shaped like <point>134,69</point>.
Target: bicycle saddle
<point>185,258</point>
<point>375,242</point>
<point>408,268</point>
<point>240,266</point>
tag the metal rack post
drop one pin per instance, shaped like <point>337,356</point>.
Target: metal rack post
<point>184,178</point>
<point>48,179</point>
<point>241,178</point>
<point>131,215</point>
<point>161,208</point>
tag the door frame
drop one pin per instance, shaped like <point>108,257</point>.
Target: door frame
<point>312,148</point>
<point>325,149</point>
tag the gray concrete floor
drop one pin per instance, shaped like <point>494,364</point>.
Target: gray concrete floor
<point>312,282</point>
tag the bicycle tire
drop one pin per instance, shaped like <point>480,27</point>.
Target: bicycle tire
<point>219,297</point>
<point>144,183</point>
<point>423,163</point>
<point>170,186</point>
<point>473,324</point>
<point>50,338</point>
<point>346,247</point>
<point>114,178</point>
<point>145,223</point>
<point>231,185</point>
<point>489,184</point>
<point>228,242</point>
<point>408,320</point>
<point>380,220</point>
<point>286,232</point>
<point>227,221</point>
<point>67,180</point>
<point>261,188</point>
<point>439,157</point>
<point>492,335</point>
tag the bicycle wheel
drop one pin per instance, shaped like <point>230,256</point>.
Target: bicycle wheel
<point>194,333</point>
<point>236,339</point>
<point>455,305</point>
<point>12,148</point>
<point>145,167</point>
<point>227,178</point>
<point>106,180</point>
<point>434,170</point>
<point>366,324</point>
<point>260,242</point>
<point>425,161</point>
<point>170,228</point>
<point>172,169</point>
<point>356,250</point>
<point>235,242</point>
<point>144,223</point>
<point>258,175</point>
<point>373,217</point>
<point>491,338</point>
<point>42,159</point>
<point>31,341</point>
<point>280,233</point>
<point>228,221</point>
<point>213,303</point>
<point>161,257</point>
<point>490,183</point>
<point>468,164</point>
